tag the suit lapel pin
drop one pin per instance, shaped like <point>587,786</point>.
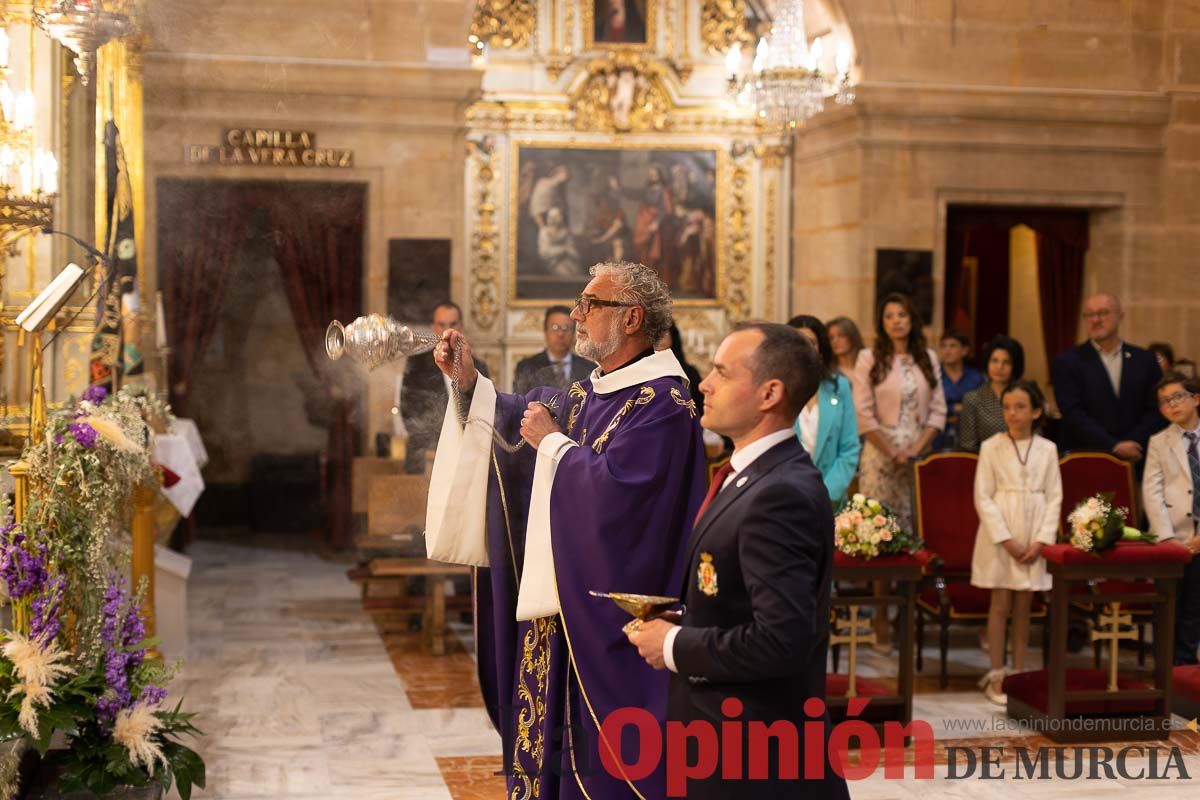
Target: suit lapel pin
<point>1128,354</point>
<point>741,482</point>
<point>706,575</point>
<point>833,401</point>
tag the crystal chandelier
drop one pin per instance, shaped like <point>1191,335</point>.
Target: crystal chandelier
<point>787,84</point>
<point>83,27</point>
<point>28,174</point>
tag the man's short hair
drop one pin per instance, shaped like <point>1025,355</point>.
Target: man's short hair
<point>786,355</point>
<point>551,311</point>
<point>956,335</point>
<point>640,286</point>
<point>448,304</point>
<point>1190,385</point>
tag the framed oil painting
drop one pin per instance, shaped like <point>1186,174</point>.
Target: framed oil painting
<point>623,24</point>
<point>573,206</point>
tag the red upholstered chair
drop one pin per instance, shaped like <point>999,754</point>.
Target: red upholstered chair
<point>944,511</point>
<point>1085,474</point>
<point>715,464</point>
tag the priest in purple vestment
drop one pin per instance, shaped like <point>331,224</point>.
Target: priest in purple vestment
<point>600,496</point>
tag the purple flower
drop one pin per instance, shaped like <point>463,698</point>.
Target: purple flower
<point>84,434</point>
<point>152,695</point>
<point>111,613</point>
<point>94,395</point>
<point>121,629</point>
<point>23,572</point>
<point>45,623</point>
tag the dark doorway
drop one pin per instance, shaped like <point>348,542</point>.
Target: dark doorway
<point>978,266</point>
<point>251,274</point>
<point>418,277</point>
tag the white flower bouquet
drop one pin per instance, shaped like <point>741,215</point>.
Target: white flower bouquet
<point>865,528</point>
<point>1097,523</point>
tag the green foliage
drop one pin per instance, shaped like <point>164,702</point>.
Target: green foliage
<point>81,486</point>
<point>95,763</point>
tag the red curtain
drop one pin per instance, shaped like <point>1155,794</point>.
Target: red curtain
<point>319,249</point>
<point>318,231</point>
<point>983,232</point>
<point>201,229</point>
<point>1060,287</point>
<point>989,246</point>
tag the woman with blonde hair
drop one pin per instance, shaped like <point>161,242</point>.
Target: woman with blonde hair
<point>846,342</point>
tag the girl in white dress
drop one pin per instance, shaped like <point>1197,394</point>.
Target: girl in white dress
<point>1018,495</point>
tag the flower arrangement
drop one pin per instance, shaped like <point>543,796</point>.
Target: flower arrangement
<point>865,528</point>
<point>1097,523</point>
<point>75,661</point>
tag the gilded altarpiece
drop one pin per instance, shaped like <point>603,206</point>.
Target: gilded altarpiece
<point>69,122</point>
<point>581,149</point>
<point>63,125</point>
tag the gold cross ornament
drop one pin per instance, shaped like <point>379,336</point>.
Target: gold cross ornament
<point>852,631</point>
<point>1110,627</point>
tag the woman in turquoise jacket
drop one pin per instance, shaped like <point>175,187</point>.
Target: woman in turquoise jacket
<point>828,425</point>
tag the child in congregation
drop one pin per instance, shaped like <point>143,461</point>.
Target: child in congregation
<point>1018,496</point>
<point>1171,493</point>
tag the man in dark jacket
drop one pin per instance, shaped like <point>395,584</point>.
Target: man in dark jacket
<point>758,575</point>
<point>558,365</point>
<point>424,391</point>
<point>1105,387</point>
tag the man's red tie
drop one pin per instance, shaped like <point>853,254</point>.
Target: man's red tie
<point>718,480</point>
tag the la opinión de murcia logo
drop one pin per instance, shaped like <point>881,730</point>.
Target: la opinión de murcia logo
<point>741,750</point>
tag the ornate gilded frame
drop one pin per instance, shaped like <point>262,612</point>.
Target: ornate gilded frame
<point>587,17</point>
<point>721,210</point>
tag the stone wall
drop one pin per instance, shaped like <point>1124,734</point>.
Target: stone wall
<point>388,80</point>
<point>1085,104</point>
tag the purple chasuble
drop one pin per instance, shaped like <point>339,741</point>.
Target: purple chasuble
<point>621,512</point>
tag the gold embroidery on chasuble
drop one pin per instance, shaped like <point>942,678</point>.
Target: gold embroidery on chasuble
<point>532,685</point>
<point>689,404</point>
<point>575,392</point>
<point>644,397</point>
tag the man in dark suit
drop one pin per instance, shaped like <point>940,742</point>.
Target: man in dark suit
<point>1105,387</point>
<point>759,570</point>
<point>557,365</point>
<point>424,391</point>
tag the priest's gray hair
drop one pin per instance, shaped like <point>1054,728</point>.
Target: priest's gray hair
<point>640,286</point>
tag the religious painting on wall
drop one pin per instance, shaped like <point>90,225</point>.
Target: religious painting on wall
<point>627,24</point>
<point>572,207</point>
<point>908,272</point>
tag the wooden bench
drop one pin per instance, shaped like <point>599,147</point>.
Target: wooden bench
<point>435,574</point>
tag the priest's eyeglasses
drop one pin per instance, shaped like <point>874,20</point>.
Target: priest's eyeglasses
<point>554,327</point>
<point>586,304</point>
<point>1175,399</point>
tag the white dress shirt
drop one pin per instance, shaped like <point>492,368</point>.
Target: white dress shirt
<point>810,420</point>
<point>1112,365</point>
<point>1186,446</point>
<point>741,458</point>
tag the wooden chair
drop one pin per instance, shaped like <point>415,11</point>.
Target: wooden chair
<point>394,506</point>
<point>435,574</point>
<point>1085,474</point>
<point>944,509</point>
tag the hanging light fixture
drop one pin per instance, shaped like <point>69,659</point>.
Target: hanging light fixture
<point>28,174</point>
<point>83,27</point>
<point>786,84</point>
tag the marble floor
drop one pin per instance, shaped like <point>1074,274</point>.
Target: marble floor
<point>303,694</point>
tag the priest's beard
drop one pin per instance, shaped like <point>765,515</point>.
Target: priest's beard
<point>592,350</point>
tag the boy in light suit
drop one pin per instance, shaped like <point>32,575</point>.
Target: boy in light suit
<point>1171,492</point>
